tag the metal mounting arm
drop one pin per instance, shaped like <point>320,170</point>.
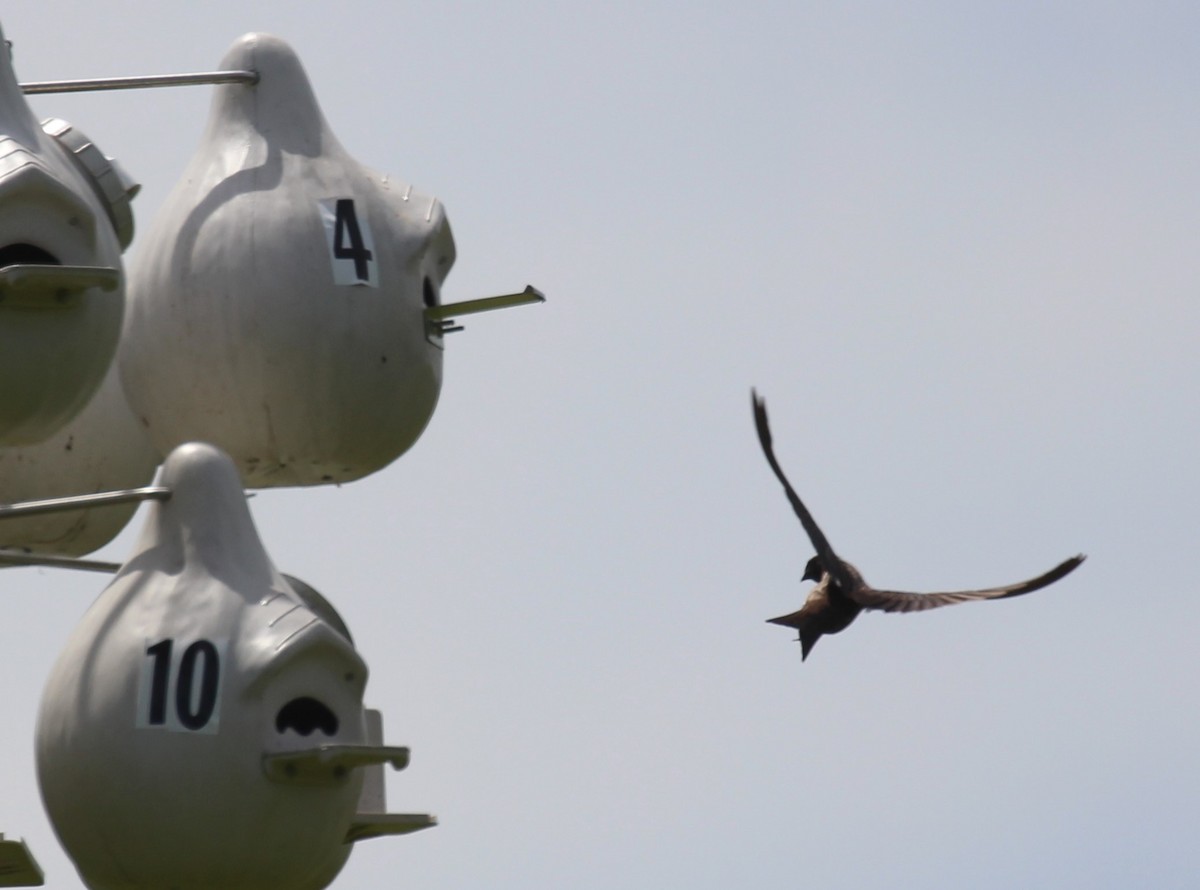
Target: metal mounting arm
<point>138,82</point>
<point>439,320</point>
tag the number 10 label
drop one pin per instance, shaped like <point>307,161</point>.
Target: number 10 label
<point>180,687</point>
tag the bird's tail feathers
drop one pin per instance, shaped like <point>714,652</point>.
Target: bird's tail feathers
<point>793,619</point>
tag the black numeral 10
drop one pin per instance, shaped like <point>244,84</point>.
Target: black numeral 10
<point>197,683</point>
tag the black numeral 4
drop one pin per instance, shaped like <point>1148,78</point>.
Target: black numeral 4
<point>348,243</point>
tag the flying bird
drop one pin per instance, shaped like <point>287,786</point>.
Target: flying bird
<point>841,593</point>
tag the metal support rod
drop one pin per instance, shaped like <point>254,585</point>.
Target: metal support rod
<point>12,559</point>
<point>140,82</point>
<point>530,295</point>
<point>100,499</point>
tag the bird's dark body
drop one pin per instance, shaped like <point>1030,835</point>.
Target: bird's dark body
<point>827,610</point>
<point>841,593</point>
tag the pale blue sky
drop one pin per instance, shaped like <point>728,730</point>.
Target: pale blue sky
<point>953,246</point>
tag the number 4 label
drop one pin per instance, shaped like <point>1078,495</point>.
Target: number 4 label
<point>351,246</point>
<point>180,688</point>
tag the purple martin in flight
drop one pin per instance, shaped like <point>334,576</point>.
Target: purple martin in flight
<point>841,593</point>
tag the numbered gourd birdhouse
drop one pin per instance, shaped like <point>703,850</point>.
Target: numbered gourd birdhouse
<point>64,218</point>
<point>204,726</point>
<point>102,448</point>
<point>278,302</point>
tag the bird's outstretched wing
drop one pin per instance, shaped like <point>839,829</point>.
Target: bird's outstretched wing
<point>897,601</point>
<point>829,559</point>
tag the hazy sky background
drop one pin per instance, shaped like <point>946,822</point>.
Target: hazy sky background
<point>954,245</point>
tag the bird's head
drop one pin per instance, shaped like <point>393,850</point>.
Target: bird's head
<point>814,571</point>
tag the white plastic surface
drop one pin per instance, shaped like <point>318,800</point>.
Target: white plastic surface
<point>277,302</point>
<point>57,340</point>
<point>156,718</point>
<point>104,448</point>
